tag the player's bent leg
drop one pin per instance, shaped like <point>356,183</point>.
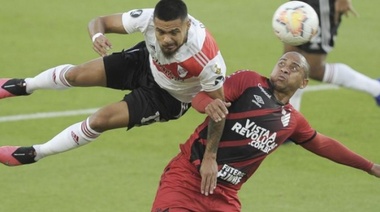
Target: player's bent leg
<point>12,87</point>
<point>84,132</point>
<point>343,75</point>
<point>16,155</point>
<point>79,134</point>
<point>91,73</point>
<point>110,117</point>
<point>74,136</point>
<point>52,78</point>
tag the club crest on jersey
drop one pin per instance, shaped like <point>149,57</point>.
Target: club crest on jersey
<point>285,118</point>
<point>181,72</point>
<point>135,13</point>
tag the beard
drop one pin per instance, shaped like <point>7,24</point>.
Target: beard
<point>168,53</point>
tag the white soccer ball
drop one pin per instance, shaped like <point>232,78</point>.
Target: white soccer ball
<point>295,23</point>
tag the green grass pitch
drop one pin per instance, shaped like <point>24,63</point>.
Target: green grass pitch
<point>120,170</point>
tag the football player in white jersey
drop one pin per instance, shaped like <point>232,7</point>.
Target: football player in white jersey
<point>177,59</point>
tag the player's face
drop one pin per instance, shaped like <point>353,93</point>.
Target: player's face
<point>289,75</point>
<point>171,34</point>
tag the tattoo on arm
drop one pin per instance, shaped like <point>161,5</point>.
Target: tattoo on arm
<point>215,131</point>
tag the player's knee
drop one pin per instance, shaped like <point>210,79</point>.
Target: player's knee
<point>98,122</point>
<point>71,75</point>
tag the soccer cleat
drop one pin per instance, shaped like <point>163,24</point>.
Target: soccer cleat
<point>12,87</point>
<point>16,155</point>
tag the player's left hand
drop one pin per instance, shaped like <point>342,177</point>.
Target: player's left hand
<point>375,170</point>
<point>217,109</point>
<point>209,173</point>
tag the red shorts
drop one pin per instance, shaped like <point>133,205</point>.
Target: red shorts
<point>179,191</point>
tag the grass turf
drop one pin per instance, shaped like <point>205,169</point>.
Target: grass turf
<point>120,171</point>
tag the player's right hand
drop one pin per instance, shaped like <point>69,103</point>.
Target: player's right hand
<point>209,174</point>
<point>101,45</point>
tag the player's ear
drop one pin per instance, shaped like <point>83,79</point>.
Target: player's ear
<point>188,23</point>
<point>304,83</point>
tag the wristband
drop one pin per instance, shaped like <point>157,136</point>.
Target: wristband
<point>96,35</point>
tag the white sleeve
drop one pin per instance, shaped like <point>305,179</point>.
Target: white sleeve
<point>213,75</point>
<point>137,20</point>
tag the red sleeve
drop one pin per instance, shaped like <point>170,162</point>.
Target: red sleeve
<point>233,87</point>
<point>200,101</point>
<point>337,152</point>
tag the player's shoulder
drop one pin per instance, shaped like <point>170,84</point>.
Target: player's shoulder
<point>198,36</point>
<point>246,74</point>
<point>138,14</point>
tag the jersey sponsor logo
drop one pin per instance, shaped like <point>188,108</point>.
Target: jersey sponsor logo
<point>261,138</point>
<point>230,174</point>
<point>135,13</point>
<point>258,100</point>
<point>264,91</point>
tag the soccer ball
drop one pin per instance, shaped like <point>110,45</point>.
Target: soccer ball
<point>295,23</point>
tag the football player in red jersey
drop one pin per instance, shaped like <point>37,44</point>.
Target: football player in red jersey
<point>260,119</point>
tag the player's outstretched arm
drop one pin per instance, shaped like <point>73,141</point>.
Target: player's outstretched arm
<point>335,151</point>
<point>99,26</point>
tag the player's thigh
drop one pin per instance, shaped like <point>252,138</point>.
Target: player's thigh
<point>113,116</point>
<point>91,73</point>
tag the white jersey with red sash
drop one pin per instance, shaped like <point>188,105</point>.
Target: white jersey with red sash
<point>197,65</point>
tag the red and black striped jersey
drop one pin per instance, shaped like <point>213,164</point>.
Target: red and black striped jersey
<point>256,125</point>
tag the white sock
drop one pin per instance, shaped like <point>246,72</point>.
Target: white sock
<point>343,75</point>
<point>53,78</point>
<point>296,99</point>
<point>72,137</point>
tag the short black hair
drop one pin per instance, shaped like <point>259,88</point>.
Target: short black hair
<point>169,10</point>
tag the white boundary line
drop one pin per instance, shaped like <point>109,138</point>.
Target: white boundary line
<point>92,110</point>
<point>46,115</point>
